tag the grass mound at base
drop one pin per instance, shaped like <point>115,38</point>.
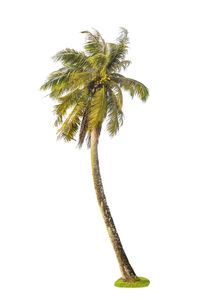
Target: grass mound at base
<point>140,282</point>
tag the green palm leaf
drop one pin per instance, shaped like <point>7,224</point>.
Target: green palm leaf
<point>66,102</point>
<point>71,124</point>
<point>133,86</point>
<point>116,90</point>
<point>94,43</point>
<point>73,59</point>
<point>56,79</point>
<point>97,109</point>
<point>115,115</point>
<point>117,53</point>
<point>98,62</point>
<point>84,125</point>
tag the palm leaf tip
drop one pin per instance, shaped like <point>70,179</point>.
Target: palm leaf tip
<point>123,36</point>
<point>144,93</point>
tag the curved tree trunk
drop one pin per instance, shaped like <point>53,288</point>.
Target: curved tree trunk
<point>127,271</point>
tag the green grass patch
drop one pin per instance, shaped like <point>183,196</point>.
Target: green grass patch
<point>140,282</point>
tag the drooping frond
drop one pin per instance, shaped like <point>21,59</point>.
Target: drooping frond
<point>97,108</point>
<point>114,114</point>
<point>94,43</point>
<point>84,125</point>
<point>71,124</point>
<point>73,59</point>
<point>133,86</point>
<point>116,90</point>
<point>65,103</point>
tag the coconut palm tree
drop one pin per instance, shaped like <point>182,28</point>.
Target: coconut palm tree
<point>90,85</point>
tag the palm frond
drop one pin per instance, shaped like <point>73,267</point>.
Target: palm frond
<point>94,43</point>
<point>69,128</point>
<point>71,58</point>
<point>84,125</point>
<point>79,80</point>
<point>101,40</point>
<point>66,102</point>
<point>117,53</point>
<point>133,86</point>
<point>114,115</point>
<point>59,82</point>
<point>123,37</point>
<point>56,79</point>
<point>116,90</point>
<point>98,61</point>
<point>124,64</point>
<point>97,109</point>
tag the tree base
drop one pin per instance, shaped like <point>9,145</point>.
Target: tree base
<point>140,282</point>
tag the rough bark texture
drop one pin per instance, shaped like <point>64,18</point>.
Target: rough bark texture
<point>127,271</point>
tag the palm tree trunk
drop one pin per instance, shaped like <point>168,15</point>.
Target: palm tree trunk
<point>127,271</point>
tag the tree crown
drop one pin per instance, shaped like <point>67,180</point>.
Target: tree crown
<point>90,84</point>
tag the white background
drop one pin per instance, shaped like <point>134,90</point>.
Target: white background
<point>54,244</point>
